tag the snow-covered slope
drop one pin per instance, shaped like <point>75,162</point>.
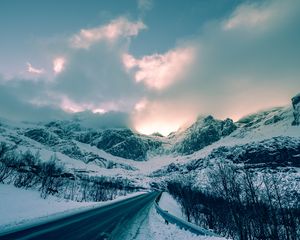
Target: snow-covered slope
<point>266,143</point>
<point>76,157</point>
<point>205,131</point>
<point>30,209</point>
<point>113,152</point>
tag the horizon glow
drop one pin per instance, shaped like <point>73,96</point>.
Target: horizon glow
<point>153,66</point>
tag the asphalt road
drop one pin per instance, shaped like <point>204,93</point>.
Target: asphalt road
<point>107,222</point>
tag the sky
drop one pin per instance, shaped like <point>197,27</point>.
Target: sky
<point>147,64</point>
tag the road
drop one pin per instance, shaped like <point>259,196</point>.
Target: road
<point>107,222</point>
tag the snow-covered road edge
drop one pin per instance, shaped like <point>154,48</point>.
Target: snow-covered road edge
<point>168,203</point>
<point>44,218</point>
<point>179,221</point>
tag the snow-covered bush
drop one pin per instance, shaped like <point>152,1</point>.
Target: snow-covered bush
<point>235,203</point>
<point>27,170</point>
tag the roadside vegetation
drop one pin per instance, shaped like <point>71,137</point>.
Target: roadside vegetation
<point>237,203</point>
<point>50,177</point>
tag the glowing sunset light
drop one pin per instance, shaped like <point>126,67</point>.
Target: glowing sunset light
<point>145,65</point>
<point>69,106</point>
<point>164,129</point>
<point>141,105</point>
<point>98,110</point>
<point>34,70</point>
<point>158,71</point>
<point>163,117</point>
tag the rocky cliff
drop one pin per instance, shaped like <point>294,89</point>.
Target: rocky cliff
<point>202,133</point>
<point>296,106</point>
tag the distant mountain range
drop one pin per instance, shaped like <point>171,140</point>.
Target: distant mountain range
<point>258,138</point>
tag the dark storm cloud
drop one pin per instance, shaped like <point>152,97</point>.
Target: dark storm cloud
<point>15,101</point>
<point>106,120</point>
<point>97,76</point>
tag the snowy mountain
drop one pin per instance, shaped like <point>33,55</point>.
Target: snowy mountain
<point>264,138</point>
<point>296,107</point>
<point>205,131</point>
<point>121,142</point>
<point>267,138</point>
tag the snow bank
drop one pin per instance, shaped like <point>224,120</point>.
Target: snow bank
<point>20,207</point>
<point>168,203</point>
<point>156,229</point>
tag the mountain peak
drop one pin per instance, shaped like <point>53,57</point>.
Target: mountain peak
<point>296,106</point>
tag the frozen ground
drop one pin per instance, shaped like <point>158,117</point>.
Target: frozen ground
<point>154,228</point>
<point>168,203</point>
<point>20,206</point>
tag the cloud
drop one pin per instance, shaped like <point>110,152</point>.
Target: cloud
<point>96,79</point>
<point>145,5</point>
<point>234,71</point>
<point>104,120</point>
<point>16,101</point>
<point>58,64</point>
<point>141,105</point>
<point>120,27</point>
<point>158,71</point>
<point>161,115</point>
<point>34,70</point>
<point>242,63</point>
<point>249,15</point>
<point>21,101</point>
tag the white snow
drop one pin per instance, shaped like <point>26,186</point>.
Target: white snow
<point>144,167</point>
<point>259,131</point>
<point>20,206</point>
<point>168,203</point>
<point>155,228</point>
